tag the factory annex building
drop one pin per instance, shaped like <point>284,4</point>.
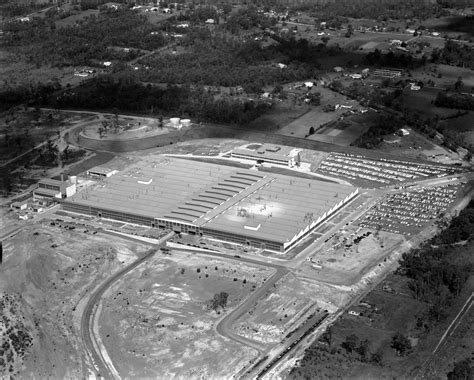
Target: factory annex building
<point>226,203</point>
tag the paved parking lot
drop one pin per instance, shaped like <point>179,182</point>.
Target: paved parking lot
<point>409,211</point>
<point>363,171</point>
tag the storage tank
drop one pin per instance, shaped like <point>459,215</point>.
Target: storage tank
<point>174,121</point>
<point>186,122</point>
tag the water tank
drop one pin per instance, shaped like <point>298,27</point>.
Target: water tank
<point>174,121</point>
<point>186,122</point>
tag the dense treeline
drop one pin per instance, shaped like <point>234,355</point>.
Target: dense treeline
<point>39,94</point>
<point>247,18</point>
<point>86,43</point>
<point>458,101</point>
<point>12,8</point>
<point>391,9</point>
<point>455,54</point>
<point>439,270</point>
<point>390,59</point>
<point>127,95</point>
<point>373,137</point>
<point>218,61</point>
<point>460,229</point>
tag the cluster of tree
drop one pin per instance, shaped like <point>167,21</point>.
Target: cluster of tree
<point>458,101</point>
<point>125,94</point>
<point>386,124</point>
<point>461,228</point>
<point>390,59</point>
<point>219,62</point>
<point>87,42</point>
<point>462,370</point>
<point>429,126</point>
<point>438,273</point>
<point>13,8</point>
<point>391,9</point>
<point>199,14</point>
<point>219,300</point>
<point>400,343</point>
<point>38,93</point>
<point>352,343</point>
<point>48,155</point>
<point>247,18</point>
<point>96,4</point>
<point>455,54</point>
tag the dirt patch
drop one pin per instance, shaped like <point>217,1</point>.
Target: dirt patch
<point>349,254</point>
<point>48,271</point>
<point>279,312</point>
<point>158,320</point>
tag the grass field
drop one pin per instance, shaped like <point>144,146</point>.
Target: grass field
<point>444,75</point>
<point>316,118</point>
<point>157,321</point>
<point>71,20</point>
<point>422,101</point>
<point>16,71</point>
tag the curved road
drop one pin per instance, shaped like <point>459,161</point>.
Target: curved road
<point>86,321</point>
<point>224,326</point>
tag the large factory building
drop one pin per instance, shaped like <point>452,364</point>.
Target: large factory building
<point>241,206</point>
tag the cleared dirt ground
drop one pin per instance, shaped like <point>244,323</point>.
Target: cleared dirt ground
<point>46,274</point>
<point>157,320</point>
<point>279,312</point>
<point>335,263</point>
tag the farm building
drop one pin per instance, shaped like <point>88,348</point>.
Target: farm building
<point>231,204</point>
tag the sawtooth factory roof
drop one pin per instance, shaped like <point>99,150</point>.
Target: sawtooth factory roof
<point>218,197</point>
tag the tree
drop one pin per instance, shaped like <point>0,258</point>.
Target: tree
<point>115,120</point>
<point>400,343</point>
<point>226,8</point>
<point>462,371</point>
<point>459,84</point>
<point>377,356</point>
<point>327,336</point>
<point>325,39</point>
<point>350,31</point>
<point>363,350</point>
<point>468,156</point>
<point>219,300</point>
<point>311,130</point>
<point>350,343</point>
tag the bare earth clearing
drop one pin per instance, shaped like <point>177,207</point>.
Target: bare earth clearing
<point>46,275</point>
<point>157,321</point>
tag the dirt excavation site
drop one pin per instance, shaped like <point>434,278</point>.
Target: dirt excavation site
<point>159,320</point>
<point>45,278</point>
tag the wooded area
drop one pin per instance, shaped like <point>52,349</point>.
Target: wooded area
<point>439,269</point>
<point>122,92</point>
<point>86,43</point>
